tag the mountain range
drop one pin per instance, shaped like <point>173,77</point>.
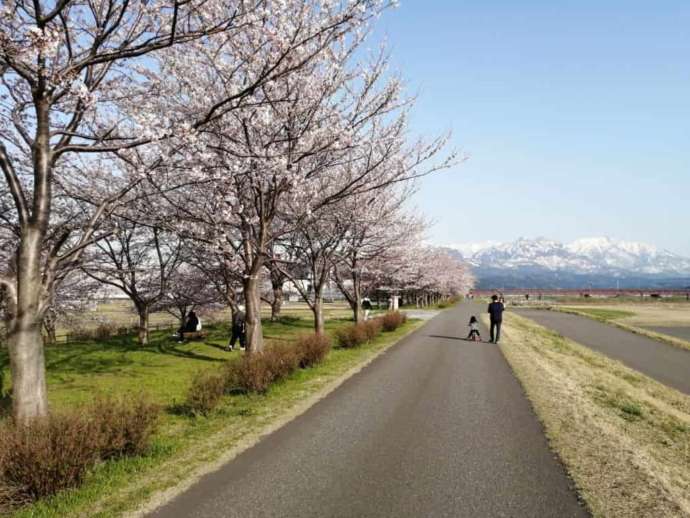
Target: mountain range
<point>599,262</point>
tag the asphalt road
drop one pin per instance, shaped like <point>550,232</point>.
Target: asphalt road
<point>437,426</point>
<point>665,363</point>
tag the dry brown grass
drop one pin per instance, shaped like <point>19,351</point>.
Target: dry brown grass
<point>649,314</point>
<point>624,438</point>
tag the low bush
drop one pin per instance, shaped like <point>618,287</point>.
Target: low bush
<point>104,331</point>
<point>252,374</point>
<point>47,455</point>
<point>372,328</point>
<point>54,453</point>
<point>393,320</point>
<point>312,349</point>
<point>351,336</point>
<point>80,334</point>
<point>124,428</point>
<point>205,392</point>
<point>125,330</point>
<point>255,372</point>
<point>281,360</point>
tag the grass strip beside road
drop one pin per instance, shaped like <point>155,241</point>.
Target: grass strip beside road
<point>611,317</point>
<point>623,437</point>
<point>185,448</point>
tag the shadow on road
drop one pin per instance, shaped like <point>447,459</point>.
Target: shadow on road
<point>456,338</point>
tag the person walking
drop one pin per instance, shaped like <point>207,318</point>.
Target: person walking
<point>238,329</point>
<point>496,309</point>
<point>366,306</point>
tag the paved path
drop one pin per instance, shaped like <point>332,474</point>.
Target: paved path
<point>435,427</point>
<point>668,364</point>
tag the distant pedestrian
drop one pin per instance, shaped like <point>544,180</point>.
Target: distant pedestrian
<point>366,306</point>
<point>474,330</point>
<point>238,329</point>
<point>496,309</point>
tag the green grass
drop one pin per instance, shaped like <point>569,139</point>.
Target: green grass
<point>164,369</point>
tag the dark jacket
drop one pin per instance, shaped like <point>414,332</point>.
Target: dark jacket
<point>191,325</point>
<point>496,311</point>
<point>366,304</point>
<point>238,320</point>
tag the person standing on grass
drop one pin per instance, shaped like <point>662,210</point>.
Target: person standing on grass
<point>496,309</point>
<point>238,329</point>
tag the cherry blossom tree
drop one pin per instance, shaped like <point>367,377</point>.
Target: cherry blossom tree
<point>91,79</point>
<point>379,233</point>
<point>141,261</point>
<point>188,289</point>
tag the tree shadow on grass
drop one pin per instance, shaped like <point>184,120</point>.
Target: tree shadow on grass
<point>173,349</point>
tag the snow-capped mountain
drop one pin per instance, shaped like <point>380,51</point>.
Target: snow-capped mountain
<point>600,257</point>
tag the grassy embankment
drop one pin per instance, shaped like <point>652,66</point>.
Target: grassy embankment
<point>183,444</point>
<point>624,438</point>
<point>636,319</point>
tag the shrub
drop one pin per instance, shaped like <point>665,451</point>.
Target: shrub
<point>312,349</point>
<point>47,455</point>
<point>372,328</point>
<point>124,331</point>
<point>124,428</point>
<point>351,336</point>
<point>54,453</point>
<point>104,331</point>
<point>80,334</point>
<point>393,320</point>
<point>281,360</point>
<point>205,392</point>
<point>253,373</point>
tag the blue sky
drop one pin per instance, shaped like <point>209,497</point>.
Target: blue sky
<point>575,114</point>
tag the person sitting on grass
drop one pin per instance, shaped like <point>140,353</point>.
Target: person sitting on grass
<point>474,330</point>
<point>238,329</point>
<point>190,326</point>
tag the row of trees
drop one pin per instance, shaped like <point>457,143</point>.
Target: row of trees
<point>182,146</point>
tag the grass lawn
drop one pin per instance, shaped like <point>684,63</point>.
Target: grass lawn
<point>183,445</point>
<point>624,438</point>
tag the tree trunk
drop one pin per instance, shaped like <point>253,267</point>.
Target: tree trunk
<point>29,392</point>
<point>143,311</point>
<point>49,323</point>
<point>319,324</point>
<point>357,298</point>
<point>277,303</point>
<point>252,298</point>
<point>25,343</point>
